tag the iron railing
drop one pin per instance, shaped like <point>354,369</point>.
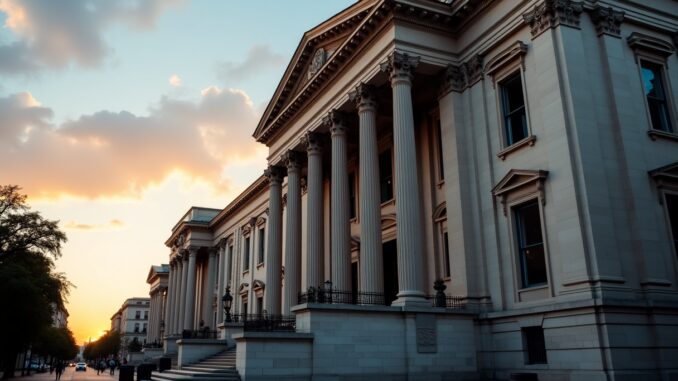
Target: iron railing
<point>265,322</point>
<point>204,333</point>
<point>451,302</point>
<point>329,296</point>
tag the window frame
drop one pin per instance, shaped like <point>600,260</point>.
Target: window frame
<point>247,242</point>
<point>518,232</point>
<point>667,216</point>
<point>261,248</point>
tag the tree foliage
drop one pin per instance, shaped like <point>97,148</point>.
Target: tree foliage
<point>56,342</point>
<point>106,345</point>
<point>29,244</point>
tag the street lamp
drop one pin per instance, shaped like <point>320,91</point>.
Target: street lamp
<point>227,299</point>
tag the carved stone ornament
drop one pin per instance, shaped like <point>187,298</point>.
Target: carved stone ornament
<point>319,59</point>
<point>275,174</point>
<point>336,122</point>
<point>607,20</point>
<point>261,220</point>
<point>552,13</point>
<point>473,70</point>
<point>313,142</point>
<point>453,79</point>
<point>304,185</point>
<point>363,97</point>
<point>284,200</point>
<point>293,160</point>
<point>400,66</point>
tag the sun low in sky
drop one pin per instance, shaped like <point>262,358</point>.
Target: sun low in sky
<point>117,116</point>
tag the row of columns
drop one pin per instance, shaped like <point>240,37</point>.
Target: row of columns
<point>157,314</point>
<point>400,67</point>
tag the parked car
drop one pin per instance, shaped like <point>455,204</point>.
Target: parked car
<point>81,366</point>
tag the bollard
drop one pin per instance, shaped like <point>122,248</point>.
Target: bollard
<point>126,373</point>
<point>164,363</point>
<point>144,371</point>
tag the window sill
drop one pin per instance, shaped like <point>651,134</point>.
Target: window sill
<point>260,265</point>
<point>528,141</point>
<point>657,134</point>
<point>245,272</point>
<point>389,202</point>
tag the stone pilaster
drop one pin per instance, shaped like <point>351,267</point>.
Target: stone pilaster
<point>182,292</point>
<point>189,309</point>
<point>552,13</point>
<point>211,279</point>
<point>176,306</point>
<point>400,67</point>
<point>220,281</point>
<point>340,212</point>
<point>293,161</point>
<point>315,231</point>
<point>371,258</point>
<point>228,257</point>
<point>272,293</point>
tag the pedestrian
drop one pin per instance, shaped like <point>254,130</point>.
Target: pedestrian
<point>111,363</point>
<point>59,370</point>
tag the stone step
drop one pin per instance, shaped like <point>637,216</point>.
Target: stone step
<point>216,363</point>
<point>216,366</point>
<point>173,376</point>
<point>204,373</point>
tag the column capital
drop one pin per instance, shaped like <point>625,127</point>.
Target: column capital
<point>552,13</point>
<point>336,121</point>
<point>275,174</point>
<point>213,250</point>
<point>400,66</point>
<point>607,20</point>
<point>293,160</point>
<point>453,79</point>
<point>313,142</point>
<point>364,98</point>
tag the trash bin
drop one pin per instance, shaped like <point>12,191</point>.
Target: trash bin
<point>126,373</point>
<point>164,363</point>
<point>144,371</point>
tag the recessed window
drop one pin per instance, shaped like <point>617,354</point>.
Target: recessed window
<point>657,102</point>
<point>260,305</point>
<point>262,241</point>
<point>352,196</point>
<point>385,176</point>
<point>446,257</point>
<point>246,255</point>
<point>513,109</point>
<point>672,208</point>
<point>530,244</point>
<point>533,338</point>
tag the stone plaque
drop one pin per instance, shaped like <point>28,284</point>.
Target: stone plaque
<point>426,333</point>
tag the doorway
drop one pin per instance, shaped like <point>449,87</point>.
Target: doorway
<point>390,256</point>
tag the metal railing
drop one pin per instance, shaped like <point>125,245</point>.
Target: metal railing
<point>330,296</point>
<point>265,322</point>
<point>204,333</point>
<point>451,302</point>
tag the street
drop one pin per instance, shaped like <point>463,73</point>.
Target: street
<point>71,375</point>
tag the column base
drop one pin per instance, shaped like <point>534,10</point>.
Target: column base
<point>411,299</point>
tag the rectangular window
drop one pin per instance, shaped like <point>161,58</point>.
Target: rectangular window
<point>145,328</point>
<point>530,244</point>
<point>260,305</point>
<point>262,242</point>
<point>137,315</point>
<point>230,259</point>
<point>672,208</point>
<point>246,255</point>
<point>352,196</point>
<point>535,345</point>
<point>244,306</point>
<point>657,103</point>
<point>439,141</point>
<point>136,327</point>
<point>513,109</point>
<point>385,176</point>
<point>446,253</point>
<point>145,315</point>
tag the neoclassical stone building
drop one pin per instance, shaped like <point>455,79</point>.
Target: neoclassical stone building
<point>157,280</point>
<point>523,152</point>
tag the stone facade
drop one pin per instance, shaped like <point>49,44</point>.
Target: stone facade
<point>157,279</point>
<point>131,321</point>
<point>523,152</point>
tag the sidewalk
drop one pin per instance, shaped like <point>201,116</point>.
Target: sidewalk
<point>69,375</point>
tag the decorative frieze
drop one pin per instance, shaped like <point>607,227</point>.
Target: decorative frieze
<point>607,20</point>
<point>552,13</point>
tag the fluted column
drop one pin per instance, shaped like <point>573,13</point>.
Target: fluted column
<point>182,293</point>
<point>340,208</point>
<point>293,161</point>
<point>211,278</point>
<point>228,269</point>
<point>189,311</point>
<point>371,257</point>
<point>400,67</point>
<point>274,248</point>
<point>168,304</point>
<point>315,219</point>
<point>220,282</point>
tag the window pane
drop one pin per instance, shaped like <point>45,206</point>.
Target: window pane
<point>513,89</point>
<point>530,245</point>
<point>516,126</point>
<point>262,242</point>
<point>513,109</point>
<point>246,260</point>
<point>653,84</point>
<point>386,176</point>
<point>672,206</point>
<point>446,246</point>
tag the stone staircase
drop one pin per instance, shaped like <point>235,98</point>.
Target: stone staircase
<point>216,368</point>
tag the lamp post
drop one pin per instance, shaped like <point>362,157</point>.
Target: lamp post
<point>227,299</point>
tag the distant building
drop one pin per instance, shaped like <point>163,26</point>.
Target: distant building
<point>131,321</point>
<point>60,317</point>
<point>157,279</point>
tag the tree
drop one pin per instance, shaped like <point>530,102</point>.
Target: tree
<point>29,244</point>
<point>58,343</point>
<point>106,345</point>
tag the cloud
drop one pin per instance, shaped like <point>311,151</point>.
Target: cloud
<point>260,57</point>
<point>112,224</point>
<point>118,153</point>
<point>175,80</point>
<point>53,34</point>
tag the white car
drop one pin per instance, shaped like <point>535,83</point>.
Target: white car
<point>81,366</point>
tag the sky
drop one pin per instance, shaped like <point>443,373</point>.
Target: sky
<point>117,116</point>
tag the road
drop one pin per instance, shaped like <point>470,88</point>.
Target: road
<point>71,375</point>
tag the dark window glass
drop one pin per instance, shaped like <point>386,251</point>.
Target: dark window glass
<point>513,108</point>
<point>351,192</point>
<point>530,245</point>
<point>262,241</point>
<point>230,258</point>
<point>260,305</point>
<point>656,97</point>
<point>446,246</point>
<point>145,315</point>
<point>535,345</point>
<point>246,254</point>
<point>244,307</point>
<point>137,315</point>
<point>439,138</point>
<point>672,206</point>
<point>385,176</point>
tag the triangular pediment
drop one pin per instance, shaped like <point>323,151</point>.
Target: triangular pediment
<point>517,178</point>
<point>667,173</point>
<point>314,51</point>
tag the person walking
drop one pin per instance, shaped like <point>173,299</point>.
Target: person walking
<point>59,370</point>
<point>111,363</point>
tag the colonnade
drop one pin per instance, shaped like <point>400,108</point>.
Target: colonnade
<point>157,315</point>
